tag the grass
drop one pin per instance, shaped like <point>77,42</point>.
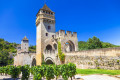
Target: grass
<point>97,71</point>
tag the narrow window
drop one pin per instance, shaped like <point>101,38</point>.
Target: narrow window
<point>49,27</point>
<point>46,34</point>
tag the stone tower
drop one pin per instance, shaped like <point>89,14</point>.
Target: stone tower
<point>45,28</point>
<point>25,44</point>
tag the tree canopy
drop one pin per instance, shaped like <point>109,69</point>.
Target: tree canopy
<point>94,43</point>
<point>5,58</point>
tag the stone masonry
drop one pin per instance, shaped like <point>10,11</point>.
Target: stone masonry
<point>46,47</point>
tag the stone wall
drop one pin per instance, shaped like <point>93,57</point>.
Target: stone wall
<point>24,58</point>
<point>106,58</point>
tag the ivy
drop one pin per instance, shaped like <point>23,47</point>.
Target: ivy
<point>60,53</point>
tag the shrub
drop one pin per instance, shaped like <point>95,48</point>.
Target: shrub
<point>38,72</point>
<point>64,71</point>
<point>25,72</point>
<point>14,71</point>
<point>71,70</point>
<point>1,70</point>
<point>57,71</point>
<point>49,73</point>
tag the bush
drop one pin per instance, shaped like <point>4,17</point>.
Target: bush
<point>39,72</point>
<point>1,70</point>
<point>14,71</point>
<point>49,72</point>
<point>64,71</point>
<point>25,72</point>
<point>71,70</point>
<point>57,71</point>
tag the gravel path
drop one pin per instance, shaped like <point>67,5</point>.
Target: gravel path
<point>96,77</point>
<point>77,77</point>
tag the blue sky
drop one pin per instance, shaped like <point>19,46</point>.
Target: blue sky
<point>100,18</point>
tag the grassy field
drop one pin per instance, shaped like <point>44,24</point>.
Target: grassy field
<point>97,71</point>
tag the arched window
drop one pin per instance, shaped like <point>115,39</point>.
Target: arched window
<point>34,62</point>
<point>49,47</point>
<point>69,46</point>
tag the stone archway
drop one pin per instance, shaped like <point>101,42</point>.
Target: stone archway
<point>49,60</point>
<point>34,62</point>
<point>69,46</point>
<point>48,47</point>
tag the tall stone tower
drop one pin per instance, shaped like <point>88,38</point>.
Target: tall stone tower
<point>45,28</point>
<point>25,44</point>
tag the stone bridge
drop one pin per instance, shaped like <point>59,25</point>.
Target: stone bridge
<point>50,56</point>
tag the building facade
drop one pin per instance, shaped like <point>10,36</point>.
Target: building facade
<point>46,40</point>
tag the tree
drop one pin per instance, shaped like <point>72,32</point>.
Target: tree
<point>5,58</point>
<point>82,45</point>
<point>94,43</point>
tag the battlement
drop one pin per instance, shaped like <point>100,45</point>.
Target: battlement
<point>63,33</point>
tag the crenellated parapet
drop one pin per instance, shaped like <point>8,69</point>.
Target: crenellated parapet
<point>63,33</point>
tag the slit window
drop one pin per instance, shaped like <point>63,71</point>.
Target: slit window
<point>46,34</point>
<point>49,27</point>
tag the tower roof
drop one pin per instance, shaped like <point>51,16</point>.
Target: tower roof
<point>25,38</point>
<point>45,7</point>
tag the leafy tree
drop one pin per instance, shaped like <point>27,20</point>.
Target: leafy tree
<point>82,45</point>
<point>32,48</point>
<point>5,58</point>
<point>94,43</point>
<point>10,47</point>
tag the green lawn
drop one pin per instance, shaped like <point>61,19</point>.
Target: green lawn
<point>98,71</point>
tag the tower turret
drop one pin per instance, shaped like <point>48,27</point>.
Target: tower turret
<point>25,44</point>
<point>45,27</point>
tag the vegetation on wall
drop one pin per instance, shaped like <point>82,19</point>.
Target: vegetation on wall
<point>94,43</point>
<point>61,55</point>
